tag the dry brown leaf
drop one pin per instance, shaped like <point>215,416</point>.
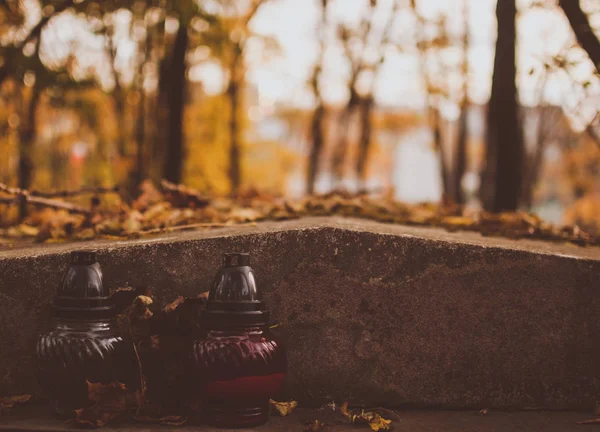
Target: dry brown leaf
<point>7,402</point>
<point>135,318</point>
<point>283,408</point>
<point>315,426</point>
<point>108,401</point>
<point>111,226</point>
<point>375,421</point>
<point>85,234</point>
<point>28,230</point>
<point>143,300</point>
<point>183,196</point>
<point>590,421</point>
<point>171,420</point>
<point>149,196</point>
<point>243,215</point>
<point>174,304</point>
<point>133,222</point>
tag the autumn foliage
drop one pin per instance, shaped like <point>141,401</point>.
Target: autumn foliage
<point>177,207</point>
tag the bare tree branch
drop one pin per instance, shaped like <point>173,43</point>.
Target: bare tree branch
<point>22,195</point>
<point>76,192</point>
<point>582,29</point>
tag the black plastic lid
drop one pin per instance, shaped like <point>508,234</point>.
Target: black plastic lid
<point>81,294</point>
<point>234,299</point>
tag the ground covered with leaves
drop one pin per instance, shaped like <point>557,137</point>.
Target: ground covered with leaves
<point>97,213</point>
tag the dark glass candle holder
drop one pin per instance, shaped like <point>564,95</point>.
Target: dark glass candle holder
<point>84,345</point>
<point>238,364</point>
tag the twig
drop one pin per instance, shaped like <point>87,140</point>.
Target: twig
<point>22,194</point>
<point>11,190</point>
<point>139,362</point>
<point>55,204</point>
<point>76,192</point>
<point>591,421</point>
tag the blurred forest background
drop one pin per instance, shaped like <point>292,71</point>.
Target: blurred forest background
<point>490,104</point>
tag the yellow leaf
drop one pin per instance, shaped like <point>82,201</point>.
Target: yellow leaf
<point>344,410</point>
<point>283,408</point>
<point>143,300</point>
<point>378,423</point>
<point>375,421</point>
<point>29,230</point>
<point>11,401</point>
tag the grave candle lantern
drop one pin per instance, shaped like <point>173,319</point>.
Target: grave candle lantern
<point>84,345</point>
<point>238,363</point>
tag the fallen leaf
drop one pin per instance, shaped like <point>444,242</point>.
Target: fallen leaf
<point>591,421</point>
<point>143,300</point>
<point>241,214</point>
<point>315,426</point>
<point>378,423</point>
<point>174,304</point>
<point>283,408</point>
<point>108,401</point>
<point>85,234</point>
<point>29,230</point>
<point>171,420</point>
<point>375,421</point>
<point>10,401</point>
<point>149,196</point>
<point>183,196</point>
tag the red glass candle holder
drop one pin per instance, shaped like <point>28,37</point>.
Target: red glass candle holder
<point>238,364</point>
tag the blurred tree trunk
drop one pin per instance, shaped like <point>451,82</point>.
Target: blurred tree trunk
<point>582,29</point>
<point>341,148</point>
<point>158,105</point>
<point>438,143</point>
<point>433,113</point>
<point>366,122</point>
<point>177,86</point>
<point>502,180</point>
<point>460,156</point>
<point>233,93</point>
<point>357,66</point>
<point>118,96</point>
<point>533,163</point>
<point>316,149</point>
<point>367,102</point>
<point>318,119</point>
<point>161,118</point>
<point>140,138</point>
<point>27,136</point>
<point>140,129</point>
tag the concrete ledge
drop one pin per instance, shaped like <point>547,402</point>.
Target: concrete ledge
<point>373,313</point>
